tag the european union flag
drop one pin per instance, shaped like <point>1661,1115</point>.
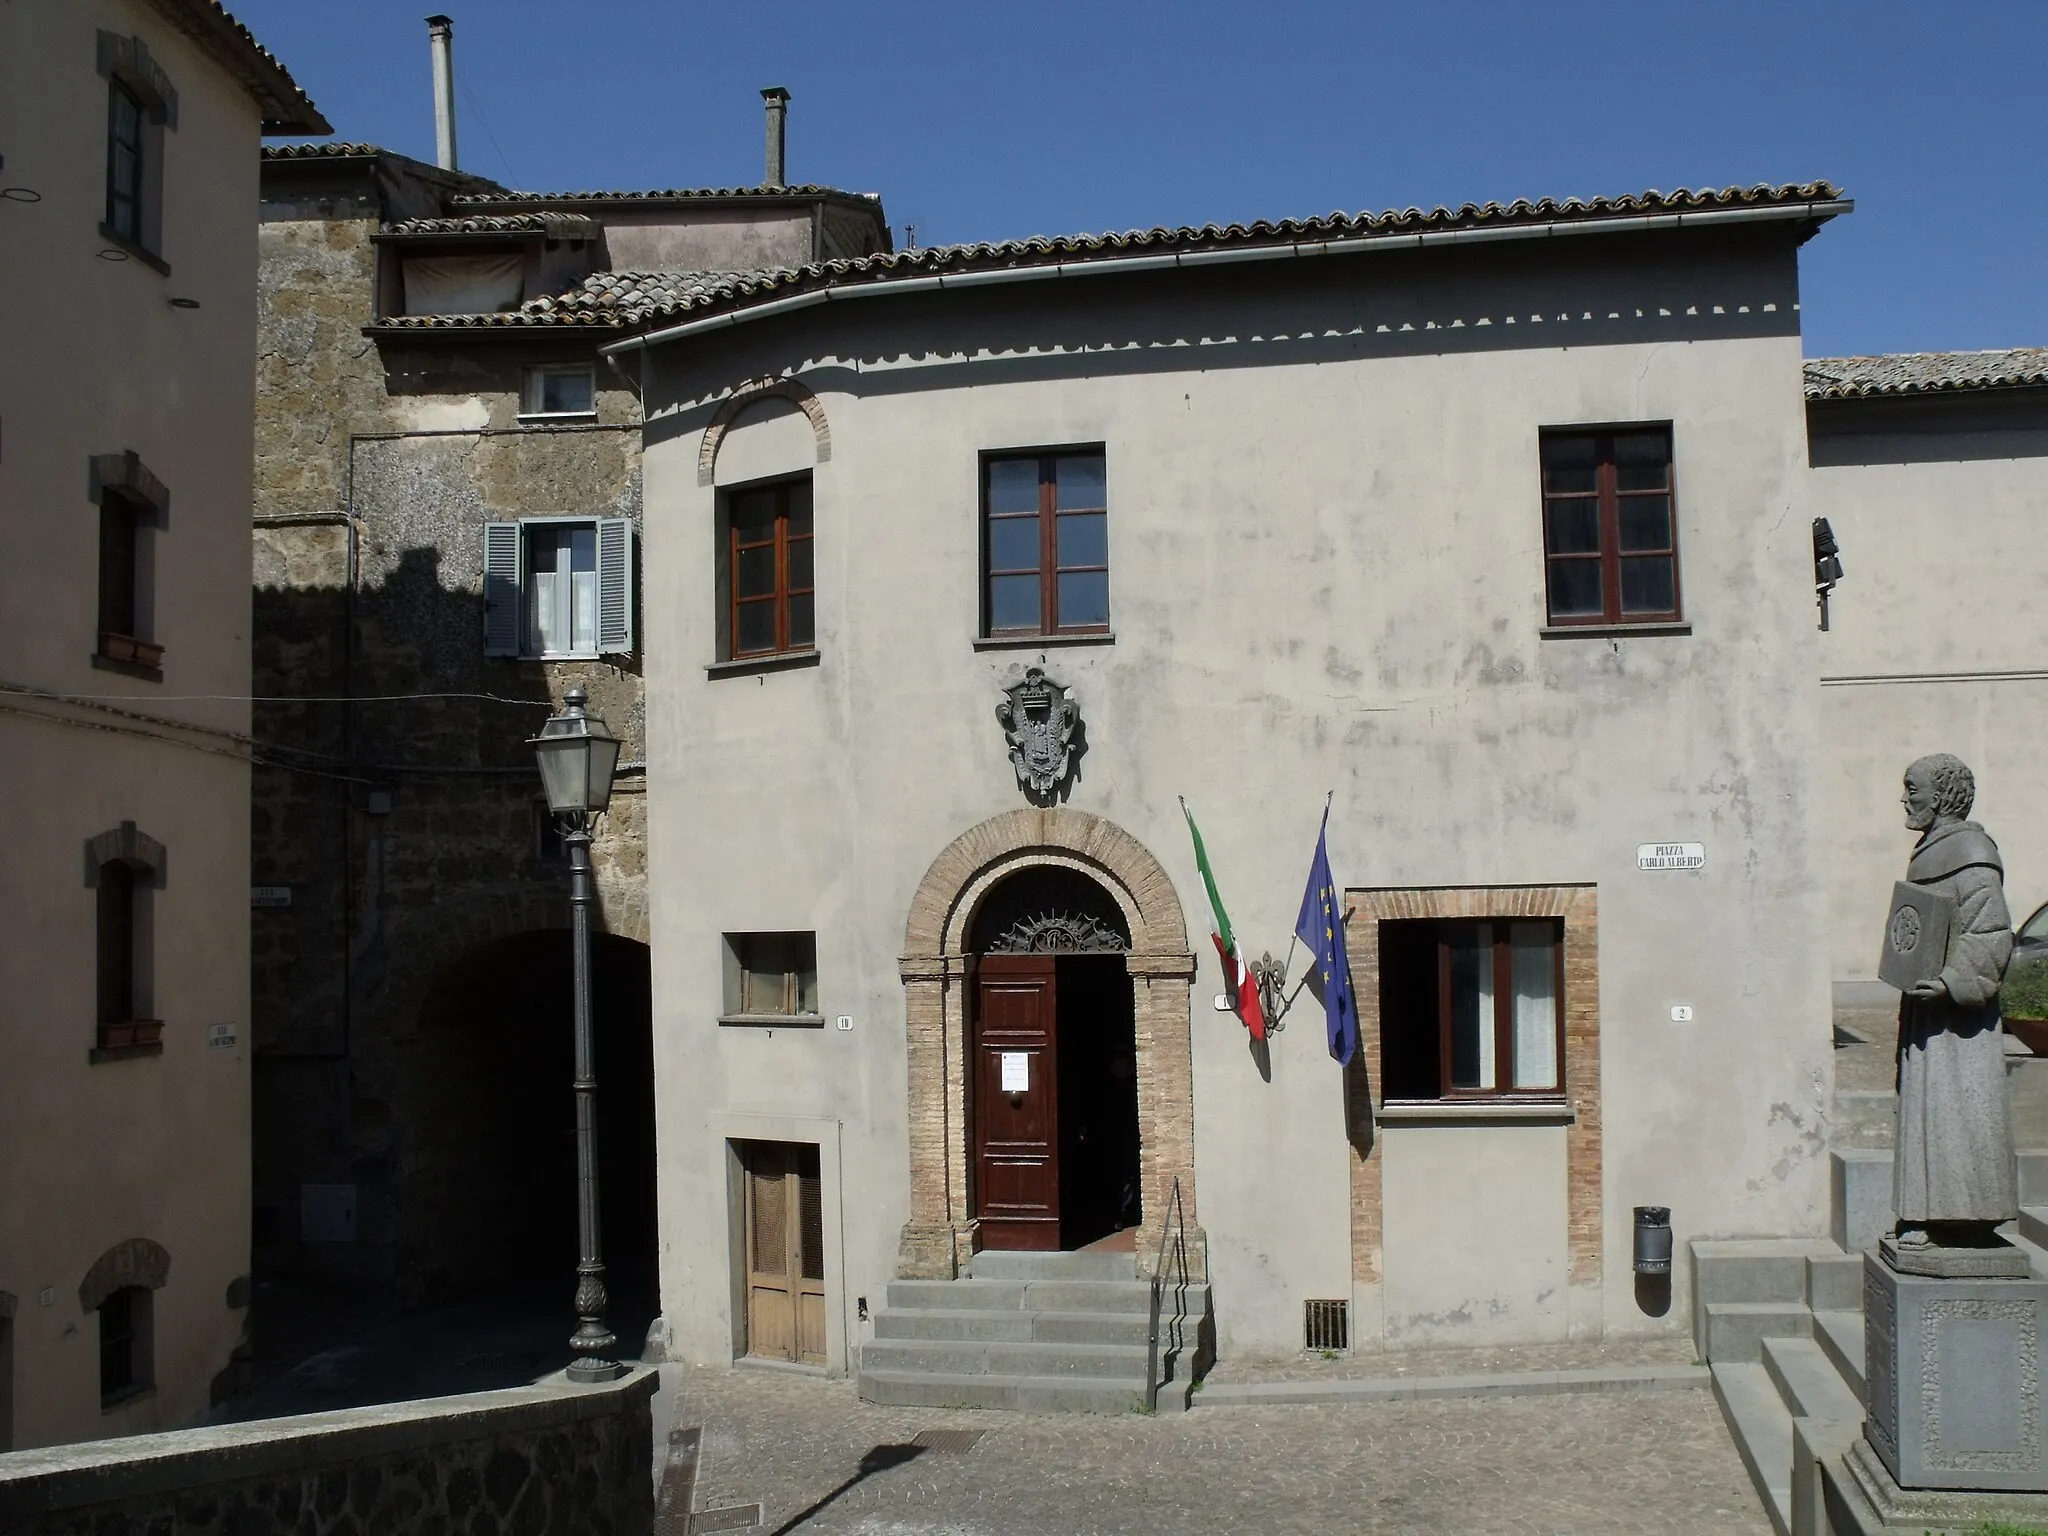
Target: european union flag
<point>1321,928</point>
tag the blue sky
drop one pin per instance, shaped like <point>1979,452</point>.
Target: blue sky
<point>991,120</point>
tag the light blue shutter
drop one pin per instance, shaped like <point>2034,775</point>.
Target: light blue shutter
<point>501,589</point>
<point>614,585</point>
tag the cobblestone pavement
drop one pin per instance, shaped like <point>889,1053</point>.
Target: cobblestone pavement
<point>820,1461</point>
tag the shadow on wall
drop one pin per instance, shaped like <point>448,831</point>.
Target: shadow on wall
<point>396,802</point>
<point>1617,290</point>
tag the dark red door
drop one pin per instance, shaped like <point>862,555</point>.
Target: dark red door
<point>1016,1103</point>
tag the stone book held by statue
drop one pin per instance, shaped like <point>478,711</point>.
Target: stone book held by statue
<point>1915,936</point>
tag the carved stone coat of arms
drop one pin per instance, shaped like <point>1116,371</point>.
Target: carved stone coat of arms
<point>1039,717</point>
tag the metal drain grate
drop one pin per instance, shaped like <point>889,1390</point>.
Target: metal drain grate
<point>956,1441</point>
<point>1326,1324</point>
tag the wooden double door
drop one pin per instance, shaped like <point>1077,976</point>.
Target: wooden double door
<point>1055,1107</point>
<point>785,1240</point>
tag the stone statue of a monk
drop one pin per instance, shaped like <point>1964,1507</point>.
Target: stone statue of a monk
<point>1953,1162</point>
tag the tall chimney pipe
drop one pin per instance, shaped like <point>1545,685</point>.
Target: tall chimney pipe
<point>441,39</point>
<point>777,100</point>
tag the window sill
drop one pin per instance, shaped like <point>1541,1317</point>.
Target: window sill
<point>128,247</point>
<point>127,668</point>
<point>1039,642</point>
<point>1598,631</point>
<point>556,418</point>
<point>1477,1111</point>
<point>781,661</point>
<point>771,1021</point>
<point>100,1053</point>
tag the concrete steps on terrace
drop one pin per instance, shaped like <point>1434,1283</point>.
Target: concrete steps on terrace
<point>1039,1332</point>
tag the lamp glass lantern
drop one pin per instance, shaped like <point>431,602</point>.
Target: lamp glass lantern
<point>578,756</point>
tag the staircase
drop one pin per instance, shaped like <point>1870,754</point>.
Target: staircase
<point>1780,1320</point>
<point>1042,1332</point>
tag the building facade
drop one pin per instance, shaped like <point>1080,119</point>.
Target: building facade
<point>1496,540</point>
<point>131,132</point>
<point>1932,469</point>
<point>447,523</point>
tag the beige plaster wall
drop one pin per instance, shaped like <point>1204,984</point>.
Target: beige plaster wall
<point>1326,575</point>
<point>1937,642</point>
<point>99,361</point>
<point>733,239</point>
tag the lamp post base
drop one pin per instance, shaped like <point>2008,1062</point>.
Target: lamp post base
<point>587,1371</point>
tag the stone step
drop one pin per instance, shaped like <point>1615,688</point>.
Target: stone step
<point>1864,1118</point>
<point>1762,1427</point>
<point>998,1264</point>
<point>1808,1381</point>
<point>974,1357</point>
<point>2032,1165</point>
<point>974,1295</point>
<point>1736,1330</point>
<point>1014,1326</point>
<point>1028,1394</point>
<point>1747,1270</point>
<point>1861,1204</point>
<point>1834,1282</point>
<point>1840,1337</point>
<point>1119,1296</point>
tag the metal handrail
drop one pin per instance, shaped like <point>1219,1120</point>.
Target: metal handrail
<point>1174,1227</point>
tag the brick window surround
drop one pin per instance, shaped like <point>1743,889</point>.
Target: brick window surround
<point>1578,906</point>
<point>936,971</point>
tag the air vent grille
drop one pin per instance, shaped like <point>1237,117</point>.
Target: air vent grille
<point>1326,1324</point>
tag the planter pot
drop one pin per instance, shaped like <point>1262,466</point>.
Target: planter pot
<point>2032,1033</point>
<point>115,1036</point>
<point>148,1031</point>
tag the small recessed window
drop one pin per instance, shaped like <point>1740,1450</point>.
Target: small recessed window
<point>1610,527</point>
<point>766,573</point>
<point>124,163</point>
<point>771,975</point>
<point>124,1345</point>
<point>559,392</point>
<point>1045,544</point>
<point>1472,1008</point>
<point>558,588</point>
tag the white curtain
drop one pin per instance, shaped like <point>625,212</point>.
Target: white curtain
<point>1535,975</point>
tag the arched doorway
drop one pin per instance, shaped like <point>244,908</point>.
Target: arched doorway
<point>969,882</point>
<point>487,1192</point>
<point>1053,1092</point>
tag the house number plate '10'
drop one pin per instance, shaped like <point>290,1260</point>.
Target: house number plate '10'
<point>1671,855</point>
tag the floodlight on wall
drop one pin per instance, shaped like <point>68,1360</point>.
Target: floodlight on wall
<point>1827,565</point>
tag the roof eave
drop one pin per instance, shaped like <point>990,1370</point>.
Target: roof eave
<point>286,107</point>
<point>1809,213</point>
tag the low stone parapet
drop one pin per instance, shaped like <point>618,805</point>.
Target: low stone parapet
<point>546,1458</point>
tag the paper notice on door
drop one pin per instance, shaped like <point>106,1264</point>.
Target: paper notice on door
<point>1016,1072</point>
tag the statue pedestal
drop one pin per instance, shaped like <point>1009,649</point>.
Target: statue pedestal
<point>1954,1367</point>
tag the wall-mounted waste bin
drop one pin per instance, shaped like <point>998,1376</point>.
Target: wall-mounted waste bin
<point>1653,1240</point>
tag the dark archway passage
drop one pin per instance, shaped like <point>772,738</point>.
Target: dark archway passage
<point>487,1189</point>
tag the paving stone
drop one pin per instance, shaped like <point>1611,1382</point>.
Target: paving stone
<point>1589,1466</point>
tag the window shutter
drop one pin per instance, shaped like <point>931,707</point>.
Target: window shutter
<point>614,585</point>
<point>501,589</point>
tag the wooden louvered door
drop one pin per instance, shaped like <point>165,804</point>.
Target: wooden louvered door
<point>785,1236</point>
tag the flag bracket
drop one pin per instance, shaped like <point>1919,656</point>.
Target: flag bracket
<point>1274,998</point>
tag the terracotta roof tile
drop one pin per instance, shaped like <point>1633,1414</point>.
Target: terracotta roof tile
<point>668,195</point>
<point>286,108</point>
<point>554,225</point>
<point>1922,373</point>
<point>646,297</point>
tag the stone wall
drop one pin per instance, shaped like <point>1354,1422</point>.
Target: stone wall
<point>395,797</point>
<point>550,1458</point>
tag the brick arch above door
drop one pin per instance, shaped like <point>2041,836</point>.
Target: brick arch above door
<point>935,968</point>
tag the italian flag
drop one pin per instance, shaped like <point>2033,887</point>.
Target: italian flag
<point>1237,976</point>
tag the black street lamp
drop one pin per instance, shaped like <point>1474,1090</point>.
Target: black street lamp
<point>577,756</point>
